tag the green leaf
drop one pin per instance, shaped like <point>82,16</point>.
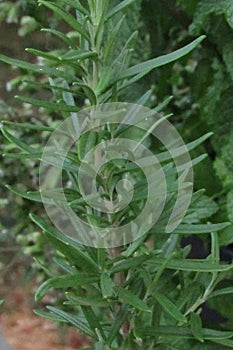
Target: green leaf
<point>215,249</point>
<point>117,323</point>
<point>78,55</point>
<point>28,126</point>
<point>200,229</point>
<point>50,196</point>
<point>66,16</point>
<point>164,156</point>
<point>197,265</point>
<point>129,263</point>
<point>65,282</point>
<point>61,36</point>
<point>92,320</point>
<point>134,246</point>
<point>39,53</point>
<point>223,291</point>
<point>58,106</point>
<point>170,308</point>
<point>196,327</point>
<point>75,321</point>
<point>112,41</point>
<point>225,342</point>
<point>90,94</point>
<point>76,5</point>
<point>16,141</point>
<point>57,161</point>
<point>190,294</point>
<point>56,194</point>
<point>55,89</point>
<point>130,298</point>
<point>106,285</point>
<point>48,315</point>
<point>86,300</point>
<point>86,142</point>
<point>145,67</point>
<point>69,248</point>
<point>36,68</point>
<point>100,345</point>
<point>119,7</point>
<point>64,265</point>
<point>34,197</point>
<point>202,11</point>
<point>22,155</point>
<point>119,65</point>
<point>212,334</point>
<point>183,332</point>
<point>102,257</point>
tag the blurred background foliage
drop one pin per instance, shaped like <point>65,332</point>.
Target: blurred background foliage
<point>200,83</point>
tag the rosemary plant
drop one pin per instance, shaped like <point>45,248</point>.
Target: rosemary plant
<point>143,293</point>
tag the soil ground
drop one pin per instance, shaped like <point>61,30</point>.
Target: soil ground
<point>23,330</point>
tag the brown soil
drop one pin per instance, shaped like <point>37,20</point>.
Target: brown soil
<point>25,331</point>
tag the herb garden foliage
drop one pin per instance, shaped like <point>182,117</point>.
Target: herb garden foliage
<point>217,105</point>
<point>141,295</point>
<point>203,100</point>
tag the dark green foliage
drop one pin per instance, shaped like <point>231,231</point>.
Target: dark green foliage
<point>215,18</point>
<point>203,100</point>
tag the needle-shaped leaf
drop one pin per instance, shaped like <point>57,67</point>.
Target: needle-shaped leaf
<point>197,265</point>
<point>131,299</point>
<point>92,320</point>
<point>76,5</point>
<point>92,300</point>
<point>86,142</point>
<point>76,321</point>
<point>117,323</point>
<point>215,249</point>
<point>170,307</point>
<point>66,16</point>
<point>63,265</point>
<point>196,327</point>
<point>17,142</point>
<point>61,36</point>
<point>49,71</point>
<point>46,55</point>
<point>106,285</point>
<point>59,106</point>
<point>129,263</point>
<point>183,332</point>
<point>21,155</point>
<point>48,315</point>
<point>90,94</point>
<point>77,55</point>
<point>113,40</point>
<point>36,127</point>
<point>223,291</point>
<point>200,229</point>
<point>120,7</point>
<point>212,334</point>
<point>164,156</point>
<point>70,249</point>
<point>227,343</point>
<point>146,67</point>
<point>64,282</point>
<point>36,197</point>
